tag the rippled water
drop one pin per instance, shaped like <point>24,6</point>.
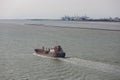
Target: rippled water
<point>92,54</point>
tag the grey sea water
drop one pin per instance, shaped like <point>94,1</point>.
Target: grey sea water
<point>93,49</point>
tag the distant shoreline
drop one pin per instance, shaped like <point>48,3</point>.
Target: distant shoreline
<point>90,20</point>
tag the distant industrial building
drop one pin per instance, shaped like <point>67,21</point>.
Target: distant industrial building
<point>85,18</point>
<point>75,18</point>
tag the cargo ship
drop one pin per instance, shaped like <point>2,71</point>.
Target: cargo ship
<point>57,51</point>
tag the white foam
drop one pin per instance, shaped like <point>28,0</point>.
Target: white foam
<point>94,65</point>
<point>89,64</point>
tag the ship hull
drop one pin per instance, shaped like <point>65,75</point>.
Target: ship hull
<point>48,54</point>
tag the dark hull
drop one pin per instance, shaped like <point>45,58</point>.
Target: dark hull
<point>46,53</point>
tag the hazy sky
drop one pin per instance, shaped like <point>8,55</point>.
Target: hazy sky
<point>58,8</point>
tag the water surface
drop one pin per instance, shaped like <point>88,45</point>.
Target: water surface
<point>94,54</point>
